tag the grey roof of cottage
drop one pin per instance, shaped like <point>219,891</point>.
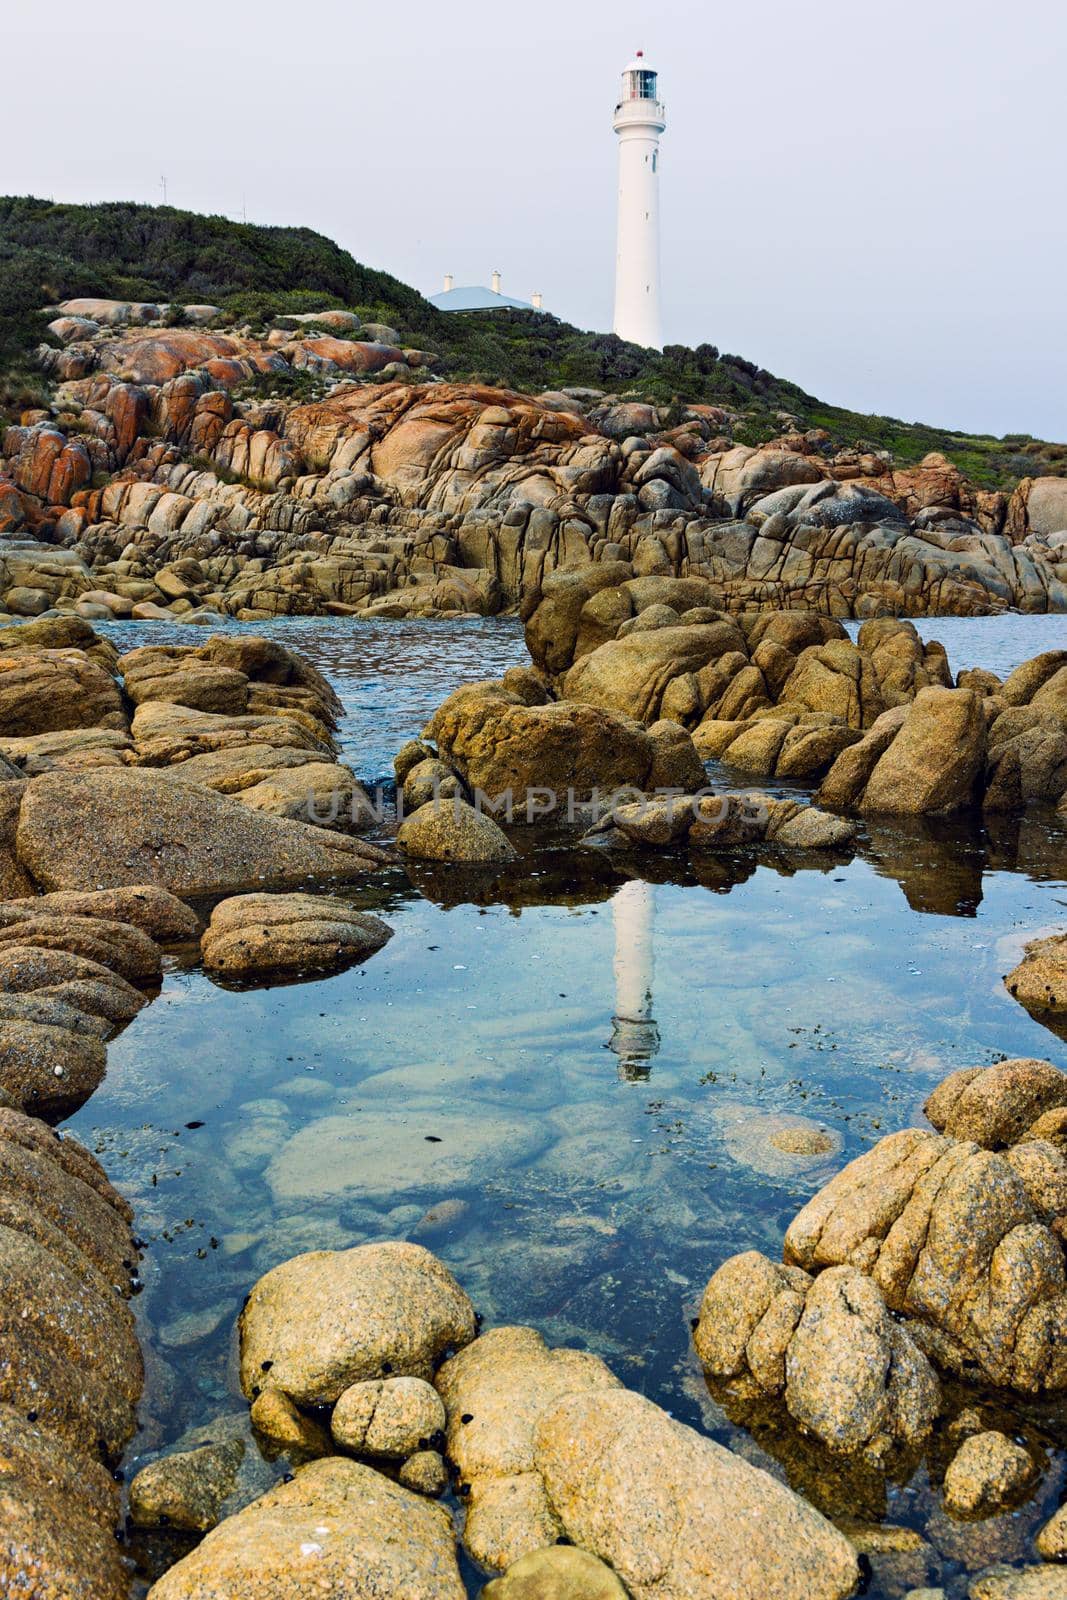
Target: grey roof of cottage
<point>476,298</point>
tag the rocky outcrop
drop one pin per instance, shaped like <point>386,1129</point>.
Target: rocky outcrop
<point>960,1239</point>
<point>426,497</point>
<point>338,1527</point>
<point>848,1373</point>
<point>274,934</point>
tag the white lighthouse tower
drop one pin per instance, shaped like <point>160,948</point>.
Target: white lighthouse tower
<point>639,120</point>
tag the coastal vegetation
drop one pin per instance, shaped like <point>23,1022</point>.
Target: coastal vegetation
<point>50,252</point>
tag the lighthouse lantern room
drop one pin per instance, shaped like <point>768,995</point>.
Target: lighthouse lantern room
<point>639,120</point>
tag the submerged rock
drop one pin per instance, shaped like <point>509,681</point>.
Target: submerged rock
<point>338,1528</point>
<point>187,1489</point>
<point>288,933</point>
<point>321,1322</point>
<point>1020,1583</point>
<point>988,1472</point>
<point>560,1572</point>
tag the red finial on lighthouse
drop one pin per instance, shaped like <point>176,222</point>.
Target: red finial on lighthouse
<point>640,53</point>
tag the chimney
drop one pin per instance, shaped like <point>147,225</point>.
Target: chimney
<point>538,300</point>
<point>496,282</point>
<point>449,281</point>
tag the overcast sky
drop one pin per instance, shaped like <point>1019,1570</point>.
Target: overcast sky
<point>871,201</point>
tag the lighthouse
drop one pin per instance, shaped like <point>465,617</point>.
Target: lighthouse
<point>634,1034</point>
<point>639,120</point>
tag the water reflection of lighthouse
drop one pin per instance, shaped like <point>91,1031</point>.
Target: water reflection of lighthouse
<point>634,1034</point>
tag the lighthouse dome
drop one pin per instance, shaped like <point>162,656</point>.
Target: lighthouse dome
<point>638,80</point>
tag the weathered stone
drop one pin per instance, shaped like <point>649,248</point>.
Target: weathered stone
<point>494,1393</point>
<point>1051,1542</point>
<point>497,744</point>
<point>48,1070</point>
<point>157,913</point>
<point>86,984</point>
<point>987,1472</point>
<point>996,1105</point>
<point>387,1417</point>
<point>958,1245</point>
<point>46,690</point>
<point>933,764</point>
<point>847,1371</point>
<point>288,933</point>
<point>452,830</point>
<point>337,1528</point>
<point>675,1514</point>
<point>430,780</point>
<point>111,828</point>
<point>1039,982</point>
<point>425,1472</point>
<point>71,1353</point>
<point>187,1489</point>
<point>326,1320</point>
<point>286,1428</point>
<point>1019,1583</point>
<point>559,1572</point>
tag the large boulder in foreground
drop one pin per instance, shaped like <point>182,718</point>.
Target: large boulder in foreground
<point>116,826</point>
<point>251,934</point>
<point>325,1320</point>
<point>675,1514</point>
<point>339,1528</point>
<point>494,1392</point>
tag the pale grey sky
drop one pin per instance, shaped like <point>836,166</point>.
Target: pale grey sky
<point>868,200</point>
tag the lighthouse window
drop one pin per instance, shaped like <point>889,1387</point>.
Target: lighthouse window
<point>640,85</point>
<point>655,161</point>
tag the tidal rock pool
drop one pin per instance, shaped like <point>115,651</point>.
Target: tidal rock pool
<point>583,1090</point>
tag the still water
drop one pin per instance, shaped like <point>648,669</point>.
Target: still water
<point>468,1087</point>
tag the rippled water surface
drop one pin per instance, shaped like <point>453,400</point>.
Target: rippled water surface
<point>469,1088</point>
